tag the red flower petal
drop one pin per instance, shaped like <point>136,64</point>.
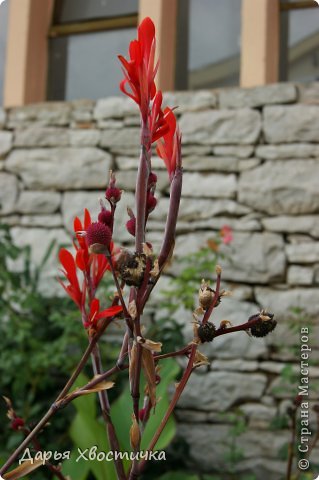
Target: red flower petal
<point>109,312</point>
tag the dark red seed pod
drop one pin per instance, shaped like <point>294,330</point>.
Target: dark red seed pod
<point>152,179</point>
<point>131,226</point>
<point>141,414</point>
<point>151,202</point>
<point>98,234</point>
<point>106,217</point>
<point>113,194</point>
<point>17,423</point>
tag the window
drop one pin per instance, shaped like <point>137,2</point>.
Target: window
<point>79,10</point>
<point>300,42</point>
<point>214,43</point>
<point>86,39</point>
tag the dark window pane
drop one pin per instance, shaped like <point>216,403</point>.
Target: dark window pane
<point>3,43</point>
<point>86,66</point>
<point>78,10</point>
<point>214,43</point>
<point>303,39</point>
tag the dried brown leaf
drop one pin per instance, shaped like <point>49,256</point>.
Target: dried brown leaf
<point>149,344</point>
<point>200,359</point>
<point>133,358</point>
<point>135,434</point>
<point>24,469</point>
<point>148,366</point>
<point>132,309</point>
<point>104,385</point>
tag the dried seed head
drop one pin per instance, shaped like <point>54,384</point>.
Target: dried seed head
<point>206,332</point>
<point>98,236</point>
<point>264,325</point>
<point>131,267</point>
<point>206,295</point>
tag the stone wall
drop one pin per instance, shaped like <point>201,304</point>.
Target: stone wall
<point>251,161</point>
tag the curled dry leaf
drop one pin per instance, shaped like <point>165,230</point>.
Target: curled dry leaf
<point>218,269</point>
<point>200,359</point>
<point>147,250</point>
<point>155,270</point>
<point>133,358</point>
<point>104,385</point>
<point>148,366</point>
<point>22,470</point>
<point>135,434</point>
<point>149,344</point>
<point>225,324</point>
<point>99,387</point>
<point>132,309</point>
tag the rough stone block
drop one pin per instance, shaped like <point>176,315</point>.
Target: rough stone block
<point>115,107</point>
<point>282,302</point>
<point>8,193</point>
<point>5,143</point>
<point>84,137</point>
<point>308,224</point>
<point>257,96</point>
<point>190,101</point>
<point>300,275</point>
<point>291,123</point>
<point>36,136</point>
<point>50,113</point>
<point>287,151</point>
<point>303,252</point>
<point>38,202</point>
<point>281,187</point>
<point>221,389</point>
<point>61,168</point>
<point>209,185</point>
<point>217,127</point>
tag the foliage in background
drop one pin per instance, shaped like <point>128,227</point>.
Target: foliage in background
<point>42,330</point>
<point>192,269</point>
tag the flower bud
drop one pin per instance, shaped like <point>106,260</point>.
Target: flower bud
<point>98,237</point>
<point>17,423</point>
<point>113,194</point>
<point>106,217</point>
<point>141,414</point>
<point>151,202</point>
<point>131,226</point>
<point>152,179</point>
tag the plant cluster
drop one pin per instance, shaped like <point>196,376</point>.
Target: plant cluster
<point>135,274</point>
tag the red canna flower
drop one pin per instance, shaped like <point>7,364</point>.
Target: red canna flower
<point>73,288</point>
<point>139,70</point>
<point>226,233</point>
<point>169,147</point>
<point>157,122</point>
<point>95,315</point>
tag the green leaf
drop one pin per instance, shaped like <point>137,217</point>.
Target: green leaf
<point>121,411</point>
<point>168,373</point>
<point>87,431</point>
